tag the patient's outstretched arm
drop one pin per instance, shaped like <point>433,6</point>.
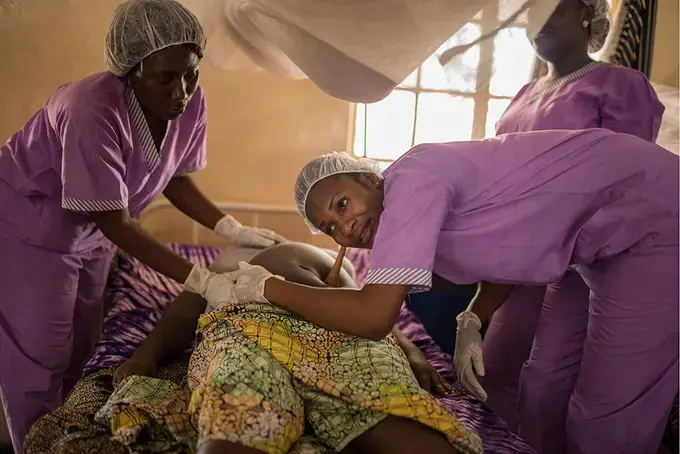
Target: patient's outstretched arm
<point>427,376</point>
<point>174,332</point>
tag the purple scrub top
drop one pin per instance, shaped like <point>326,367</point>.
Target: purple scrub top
<point>89,148</point>
<point>519,208</point>
<point>599,95</point>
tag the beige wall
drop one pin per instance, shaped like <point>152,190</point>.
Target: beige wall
<point>262,128</point>
<point>666,44</point>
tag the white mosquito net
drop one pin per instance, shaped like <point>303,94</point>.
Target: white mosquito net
<point>356,50</point>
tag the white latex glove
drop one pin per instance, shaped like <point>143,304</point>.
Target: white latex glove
<point>232,230</point>
<point>216,288</point>
<point>197,280</point>
<point>467,357</point>
<point>249,286</point>
<point>245,285</point>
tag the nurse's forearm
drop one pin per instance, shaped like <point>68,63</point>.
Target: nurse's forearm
<point>369,312</point>
<point>130,237</point>
<point>488,299</point>
<point>186,197</point>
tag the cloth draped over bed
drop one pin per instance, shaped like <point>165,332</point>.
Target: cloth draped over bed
<point>139,297</point>
<point>261,374</point>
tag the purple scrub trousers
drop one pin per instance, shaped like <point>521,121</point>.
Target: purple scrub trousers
<point>599,95</point>
<point>87,149</point>
<point>609,368</point>
<point>46,329</point>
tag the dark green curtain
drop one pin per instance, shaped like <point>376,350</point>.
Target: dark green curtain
<point>636,41</point>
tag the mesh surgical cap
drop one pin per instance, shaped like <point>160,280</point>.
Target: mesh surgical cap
<point>141,27</point>
<point>599,27</point>
<point>323,167</point>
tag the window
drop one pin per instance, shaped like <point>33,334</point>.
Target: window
<point>438,105</point>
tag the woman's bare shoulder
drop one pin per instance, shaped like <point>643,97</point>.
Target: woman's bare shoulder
<point>292,260</point>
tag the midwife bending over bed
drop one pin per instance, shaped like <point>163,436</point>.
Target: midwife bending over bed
<point>259,371</point>
<point>577,93</point>
<point>515,209</point>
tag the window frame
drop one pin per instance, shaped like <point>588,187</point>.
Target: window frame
<point>487,21</point>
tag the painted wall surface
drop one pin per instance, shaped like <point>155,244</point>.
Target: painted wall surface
<point>666,44</point>
<point>262,128</point>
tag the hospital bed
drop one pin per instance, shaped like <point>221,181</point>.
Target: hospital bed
<point>138,296</point>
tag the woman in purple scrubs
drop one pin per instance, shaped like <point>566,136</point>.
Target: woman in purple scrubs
<point>518,209</point>
<point>71,182</point>
<point>577,93</point>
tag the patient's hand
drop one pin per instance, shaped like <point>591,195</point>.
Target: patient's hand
<point>135,366</point>
<point>427,376</point>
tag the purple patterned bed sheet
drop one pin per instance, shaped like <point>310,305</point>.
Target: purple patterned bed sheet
<point>141,295</point>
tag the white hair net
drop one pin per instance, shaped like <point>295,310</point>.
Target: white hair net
<point>141,27</point>
<point>323,167</point>
<point>599,27</point>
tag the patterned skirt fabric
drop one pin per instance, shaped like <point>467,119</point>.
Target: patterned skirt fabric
<point>72,428</point>
<point>260,374</point>
<point>139,296</point>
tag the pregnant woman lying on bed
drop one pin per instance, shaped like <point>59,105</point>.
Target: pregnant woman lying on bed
<point>260,379</point>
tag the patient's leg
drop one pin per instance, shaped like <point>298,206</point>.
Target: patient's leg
<point>396,435</point>
<point>241,394</point>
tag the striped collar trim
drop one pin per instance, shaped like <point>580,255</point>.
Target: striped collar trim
<point>151,153</point>
<point>418,279</point>
<point>542,86</point>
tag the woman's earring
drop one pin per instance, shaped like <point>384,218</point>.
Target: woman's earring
<point>585,24</point>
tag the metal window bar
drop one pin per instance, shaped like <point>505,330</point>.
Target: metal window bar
<point>415,107</point>
<point>481,95</point>
<point>449,91</point>
<point>484,72</point>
